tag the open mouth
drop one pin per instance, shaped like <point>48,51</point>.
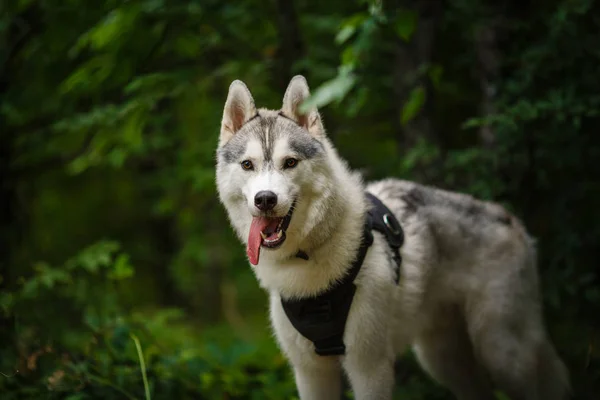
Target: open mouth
<point>268,232</point>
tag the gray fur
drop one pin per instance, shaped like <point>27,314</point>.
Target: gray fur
<point>278,125</point>
<point>468,301</point>
<point>232,151</point>
<point>306,147</point>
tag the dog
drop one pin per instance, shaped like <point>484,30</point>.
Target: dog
<point>467,300</point>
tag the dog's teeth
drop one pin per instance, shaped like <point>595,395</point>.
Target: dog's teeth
<point>262,234</point>
<point>279,234</point>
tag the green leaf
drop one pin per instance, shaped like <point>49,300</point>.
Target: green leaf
<point>344,34</point>
<point>111,28</point>
<point>76,396</point>
<point>51,276</point>
<point>94,257</point>
<point>7,301</point>
<point>116,158</point>
<point>435,75</point>
<point>349,27</point>
<point>122,269</point>
<point>406,23</point>
<point>501,396</point>
<point>349,57</point>
<point>413,105</point>
<point>330,91</point>
<point>90,76</point>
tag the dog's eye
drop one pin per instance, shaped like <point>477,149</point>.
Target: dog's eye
<point>290,163</point>
<point>247,165</point>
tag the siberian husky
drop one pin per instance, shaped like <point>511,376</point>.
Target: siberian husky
<point>467,300</point>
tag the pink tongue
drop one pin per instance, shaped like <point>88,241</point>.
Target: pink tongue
<point>259,224</point>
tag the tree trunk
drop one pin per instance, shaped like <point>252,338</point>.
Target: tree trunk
<point>12,40</point>
<point>9,230</point>
<point>488,68</point>
<point>291,46</point>
<point>409,58</point>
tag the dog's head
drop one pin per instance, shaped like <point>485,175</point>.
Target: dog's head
<point>272,170</point>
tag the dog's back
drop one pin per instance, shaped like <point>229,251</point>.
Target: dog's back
<point>479,311</point>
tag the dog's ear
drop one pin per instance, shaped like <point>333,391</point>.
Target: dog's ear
<point>239,108</point>
<point>297,91</point>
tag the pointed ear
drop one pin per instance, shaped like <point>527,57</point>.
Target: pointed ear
<point>239,108</point>
<point>297,91</point>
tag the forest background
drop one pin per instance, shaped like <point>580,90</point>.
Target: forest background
<point>119,274</point>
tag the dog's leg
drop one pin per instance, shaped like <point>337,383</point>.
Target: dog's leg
<point>317,377</point>
<point>510,361</point>
<point>371,377</point>
<point>513,348</point>
<point>444,351</point>
<point>322,381</point>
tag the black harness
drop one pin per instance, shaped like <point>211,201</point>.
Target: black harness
<point>322,319</point>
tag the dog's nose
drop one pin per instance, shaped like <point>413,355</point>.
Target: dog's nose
<point>265,200</point>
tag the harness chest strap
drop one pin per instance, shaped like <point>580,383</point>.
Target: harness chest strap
<point>322,319</point>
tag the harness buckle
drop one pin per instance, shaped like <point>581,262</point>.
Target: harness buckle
<point>391,223</point>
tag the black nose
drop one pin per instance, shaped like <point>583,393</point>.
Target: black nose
<point>265,200</point>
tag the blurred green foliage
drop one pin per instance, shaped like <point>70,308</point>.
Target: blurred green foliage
<point>111,233</point>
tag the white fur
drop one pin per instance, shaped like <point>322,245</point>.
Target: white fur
<point>467,301</point>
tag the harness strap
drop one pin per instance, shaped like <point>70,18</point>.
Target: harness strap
<point>384,222</point>
<point>322,319</point>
